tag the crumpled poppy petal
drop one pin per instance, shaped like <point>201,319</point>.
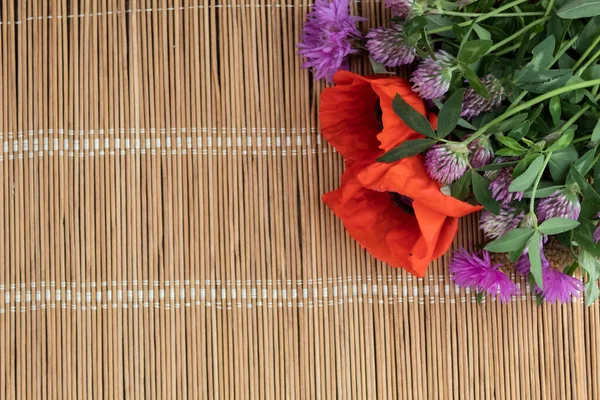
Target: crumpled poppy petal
<point>395,131</point>
<point>434,238</point>
<point>409,177</point>
<point>373,221</point>
<point>348,118</point>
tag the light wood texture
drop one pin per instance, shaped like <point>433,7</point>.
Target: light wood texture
<point>162,234</point>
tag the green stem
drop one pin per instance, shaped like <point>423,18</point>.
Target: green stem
<point>509,49</point>
<point>586,53</point>
<point>536,184</point>
<point>574,119</point>
<point>482,18</point>
<point>518,33</point>
<point>502,15</point>
<point>529,104</point>
<point>582,139</point>
<point>549,9</point>
<point>518,99</point>
<point>563,49</point>
<point>589,62</point>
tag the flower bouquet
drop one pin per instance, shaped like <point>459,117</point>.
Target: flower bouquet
<point>500,115</point>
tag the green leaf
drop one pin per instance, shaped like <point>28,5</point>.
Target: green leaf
<point>583,235</point>
<point>482,193</point>
<point>520,131</point>
<point>526,40</point>
<point>592,72</point>
<point>526,179</point>
<point>439,21</point>
<point>579,9</point>
<point>476,83</point>
<point>482,32</point>
<point>566,61</point>
<point>496,166</point>
<point>466,125</point>
<point>563,141</point>
<point>460,188</point>
<point>378,68</point>
<point>459,32</point>
<point>597,176</point>
<point>588,35</point>
<point>555,109</point>
<point>535,259</point>
<point>450,114</point>
<point>536,113</point>
<point>407,149</point>
<point>414,25</point>
<point>509,142</point>
<point>558,28</point>
<point>591,265</point>
<point>510,152</point>
<point>522,165</point>
<point>485,5</point>
<point>412,117</point>
<point>473,50</point>
<point>510,123</point>
<point>561,161</point>
<point>554,226</point>
<point>542,54</point>
<point>543,191</point>
<point>591,199</point>
<point>544,81</point>
<point>512,240</point>
<point>586,162</point>
<point>596,133</point>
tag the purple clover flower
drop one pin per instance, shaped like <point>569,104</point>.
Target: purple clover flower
<point>499,187</point>
<point>563,203</point>
<point>446,162</point>
<point>474,104</point>
<point>388,46</point>
<point>480,152</point>
<point>558,286</point>
<point>431,80</point>
<point>478,273</point>
<point>326,40</point>
<point>400,8</point>
<point>495,226</point>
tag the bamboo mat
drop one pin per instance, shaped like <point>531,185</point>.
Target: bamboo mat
<point>162,235</point>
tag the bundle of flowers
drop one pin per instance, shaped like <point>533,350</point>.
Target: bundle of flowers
<point>500,115</point>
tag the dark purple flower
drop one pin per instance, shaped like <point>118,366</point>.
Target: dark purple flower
<point>326,40</point>
<point>597,230</point>
<point>446,162</point>
<point>474,104</point>
<point>400,8</point>
<point>563,203</point>
<point>480,152</point>
<point>523,266</point>
<point>495,226</point>
<point>499,187</point>
<point>478,273</point>
<point>558,286</point>
<point>388,46</point>
<point>431,79</point>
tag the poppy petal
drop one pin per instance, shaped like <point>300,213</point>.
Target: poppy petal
<point>409,177</point>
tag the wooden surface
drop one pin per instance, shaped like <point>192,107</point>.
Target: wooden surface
<point>162,235</point>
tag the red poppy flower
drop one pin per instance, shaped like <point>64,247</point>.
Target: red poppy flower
<point>396,211</point>
<point>349,120</point>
